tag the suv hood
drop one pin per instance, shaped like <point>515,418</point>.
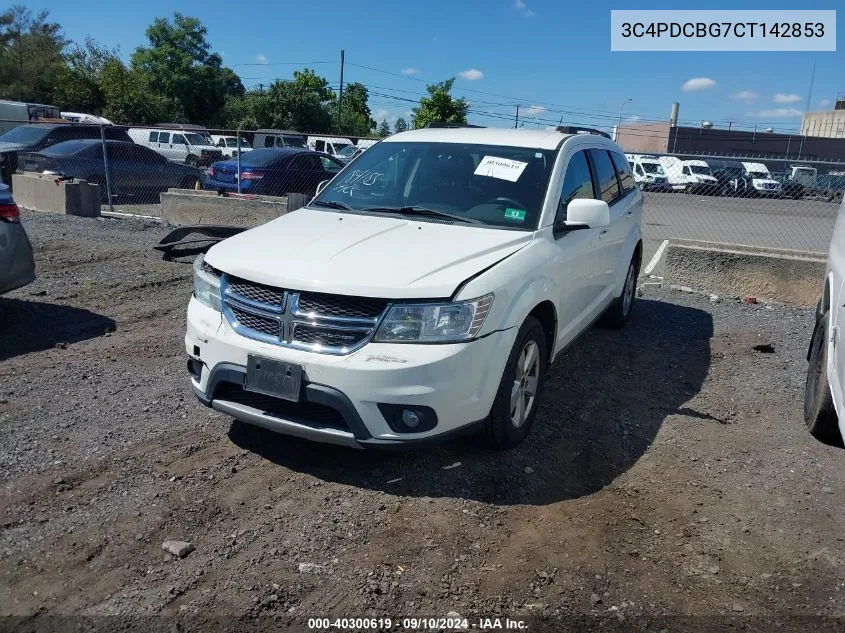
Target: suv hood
<point>364,255</point>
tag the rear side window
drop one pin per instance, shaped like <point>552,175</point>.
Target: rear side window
<point>320,146</point>
<point>178,138</point>
<point>164,137</point>
<point>605,175</point>
<point>153,137</point>
<point>577,183</point>
<point>268,141</point>
<point>623,171</point>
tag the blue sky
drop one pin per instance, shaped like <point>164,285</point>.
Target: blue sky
<point>551,57</point>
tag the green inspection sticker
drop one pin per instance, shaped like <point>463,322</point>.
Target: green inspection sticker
<point>514,214</point>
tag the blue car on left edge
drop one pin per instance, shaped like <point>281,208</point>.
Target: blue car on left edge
<point>273,172</point>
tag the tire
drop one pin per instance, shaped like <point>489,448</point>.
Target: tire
<point>819,414</point>
<point>507,426</point>
<point>189,182</point>
<point>192,160</point>
<point>618,312</point>
<point>837,196</point>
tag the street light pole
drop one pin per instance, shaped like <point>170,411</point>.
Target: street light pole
<point>619,123</point>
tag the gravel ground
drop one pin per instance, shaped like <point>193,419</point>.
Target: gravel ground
<point>669,474</point>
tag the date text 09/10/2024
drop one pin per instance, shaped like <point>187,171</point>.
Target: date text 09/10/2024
<point>410,624</point>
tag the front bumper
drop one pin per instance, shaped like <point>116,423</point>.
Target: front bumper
<point>458,381</point>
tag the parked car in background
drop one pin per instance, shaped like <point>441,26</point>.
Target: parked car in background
<point>273,172</point>
<point>824,392</point>
<point>137,173</point>
<point>17,264</point>
<point>421,294</point>
<point>229,145</point>
<point>329,144</point>
<point>733,180</point>
<point>762,182</point>
<point>698,177</point>
<point>648,172</point>
<point>78,117</point>
<point>15,113</point>
<point>191,148</point>
<point>348,153</point>
<point>278,138</point>
<point>37,136</point>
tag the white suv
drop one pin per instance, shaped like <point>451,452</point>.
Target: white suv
<point>423,292</point>
<point>824,394</point>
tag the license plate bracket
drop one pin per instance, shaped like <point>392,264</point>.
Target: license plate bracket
<point>273,378</point>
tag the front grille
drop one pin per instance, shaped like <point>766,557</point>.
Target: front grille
<point>341,306</point>
<point>325,337</point>
<point>307,413</point>
<point>265,325</point>
<point>256,292</point>
<point>319,322</point>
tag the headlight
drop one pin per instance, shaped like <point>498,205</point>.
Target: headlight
<point>434,322</point>
<point>206,284</point>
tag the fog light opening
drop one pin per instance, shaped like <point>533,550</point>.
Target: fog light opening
<point>410,418</point>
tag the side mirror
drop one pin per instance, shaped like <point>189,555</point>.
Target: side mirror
<point>584,213</point>
<point>322,186</point>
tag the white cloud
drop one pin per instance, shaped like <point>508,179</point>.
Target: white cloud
<point>698,83</point>
<point>520,6</point>
<point>778,112</point>
<point>471,74</point>
<point>745,95</point>
<point>410,72</point>
<point>380,115</point>
<point>825,103</point>
<point>261,58</point>
<point>534,110</point>
<point>784,98</point>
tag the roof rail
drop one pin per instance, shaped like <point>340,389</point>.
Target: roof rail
<point>450,125</point>
<point>572,129</point>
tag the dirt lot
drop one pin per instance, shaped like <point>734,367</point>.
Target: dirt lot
<point>669,474</point>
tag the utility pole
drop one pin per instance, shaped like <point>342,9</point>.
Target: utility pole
<point>619,123</point>
<point>807,109</point>
<point>516,122</point>
<point>340,93</point>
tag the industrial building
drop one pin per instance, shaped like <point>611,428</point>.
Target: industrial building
<point>829,124</point>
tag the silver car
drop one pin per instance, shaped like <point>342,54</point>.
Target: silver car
<point>17,264</point>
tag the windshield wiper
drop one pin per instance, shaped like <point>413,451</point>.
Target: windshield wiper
<point>331,204</point>
<point>424,212</point>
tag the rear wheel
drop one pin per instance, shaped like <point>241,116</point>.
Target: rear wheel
<point>192,160</point>
<point>515,405</point>
<point>819,414</point>
<point>189,182</point>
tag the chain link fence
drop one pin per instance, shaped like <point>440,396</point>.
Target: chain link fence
<point>775,202</point>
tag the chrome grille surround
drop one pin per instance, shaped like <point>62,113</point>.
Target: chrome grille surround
<point>251,311</point>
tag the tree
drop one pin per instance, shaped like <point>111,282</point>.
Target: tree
<point>30,55</point>
<point>355,117</point>
<point>384,129</point>
<point>78,86</point>
<point>178,66</point>
<point>439,106</point>
<point>401,125</point>
<point>128,99</point>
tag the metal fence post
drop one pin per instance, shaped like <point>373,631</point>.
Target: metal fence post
<point>239,159</point>
<point>106,167</point>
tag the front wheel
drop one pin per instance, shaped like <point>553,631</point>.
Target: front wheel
<point>515,405</point>
<point>819,414</point>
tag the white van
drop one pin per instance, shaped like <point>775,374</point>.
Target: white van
<point>181,146</point>
<point>689,176</point>
<point>229,145</point>
<point>278,138</point>
<point>761,179</point>
<point>328,144</point>
<point>648,172</point>
<point>79,117</point>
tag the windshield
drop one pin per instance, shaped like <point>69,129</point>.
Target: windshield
<point>25,134</point>
<point>347,151</point>
<point>652,168</point>
<point>197,139</point>
<point>495,185</point>
<point>233,142</point>
<point>700,169</point>
<point>339,147</point>
<point>758,175</point>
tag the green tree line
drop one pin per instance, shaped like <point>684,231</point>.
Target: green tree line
<point>176,77</point>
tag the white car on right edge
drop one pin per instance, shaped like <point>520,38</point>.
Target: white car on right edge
<point>824,394</point>
<point>423,292</point>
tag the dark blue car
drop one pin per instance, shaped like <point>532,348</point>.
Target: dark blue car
<point>137,173</point>
<point>273,172</point>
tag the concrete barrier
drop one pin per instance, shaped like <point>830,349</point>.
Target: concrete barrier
<point>38,192</point>
<point>786,276</point>
<point>188,206</point>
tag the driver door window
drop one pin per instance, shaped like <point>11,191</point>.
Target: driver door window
<point>577,183</point>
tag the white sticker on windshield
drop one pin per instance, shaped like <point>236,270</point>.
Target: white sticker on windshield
<point>502,168</point>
